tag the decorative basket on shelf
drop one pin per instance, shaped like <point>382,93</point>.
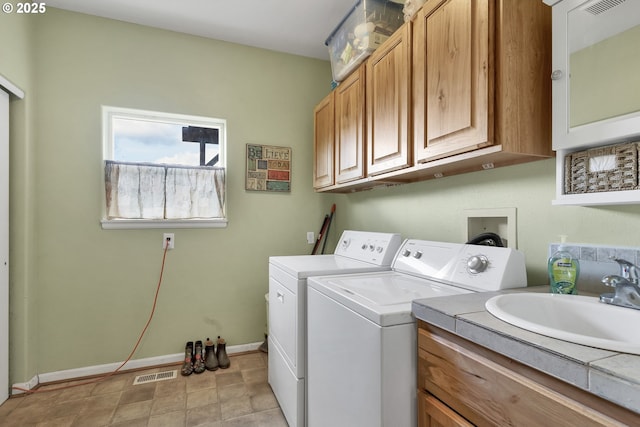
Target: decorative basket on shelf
<point>610,168</point>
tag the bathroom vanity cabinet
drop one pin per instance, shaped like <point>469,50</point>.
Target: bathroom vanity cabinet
<point>461,383</point>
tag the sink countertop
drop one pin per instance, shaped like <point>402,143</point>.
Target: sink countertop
<point>610,375</point>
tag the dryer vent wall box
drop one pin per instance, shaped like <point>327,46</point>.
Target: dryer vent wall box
<point>501,221</point>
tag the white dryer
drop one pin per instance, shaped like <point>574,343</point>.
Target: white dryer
<point>356,252</point>
<point>362,343</point>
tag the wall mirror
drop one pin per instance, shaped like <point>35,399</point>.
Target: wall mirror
<point>604,61</point>
<point>596,72</point>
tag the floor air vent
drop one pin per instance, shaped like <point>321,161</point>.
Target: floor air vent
<point>158,376</point>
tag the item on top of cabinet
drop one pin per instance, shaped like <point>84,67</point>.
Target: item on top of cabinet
<point>410,8</point>
<point>564,270</point>
<point>609,168</point>
<point>367,25</point>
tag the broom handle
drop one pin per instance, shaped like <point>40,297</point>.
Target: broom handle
<point>333,209</point>
<point>320,234</point>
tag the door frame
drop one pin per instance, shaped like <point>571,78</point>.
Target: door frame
<point>6,90</point>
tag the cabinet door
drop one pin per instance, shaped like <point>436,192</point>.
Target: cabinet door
<point>595,77</point>
<point>349,122</point>
<point>323,143</point>
<point>487,392</point>
<point>451,78</point>
<point>433,413</point>
<point>388,97</point>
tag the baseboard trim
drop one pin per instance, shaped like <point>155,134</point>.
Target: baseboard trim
<point>88,371</point>
<point>29,385</point>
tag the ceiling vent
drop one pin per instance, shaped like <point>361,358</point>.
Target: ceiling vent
<point>603,6</point>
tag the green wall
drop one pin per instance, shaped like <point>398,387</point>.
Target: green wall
<point>80,295</point>
<point>16,64</point>
<point>434,210</point>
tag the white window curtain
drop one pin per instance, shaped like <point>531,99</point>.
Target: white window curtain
<point>146,191</point>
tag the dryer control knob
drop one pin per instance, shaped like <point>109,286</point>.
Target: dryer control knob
<point>417,255</point>
<point>477,264</point>
<point>406,253</point>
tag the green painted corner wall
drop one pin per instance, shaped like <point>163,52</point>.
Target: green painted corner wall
<point>434,210</point>
<point>16,64</point>
<point>81,294</point>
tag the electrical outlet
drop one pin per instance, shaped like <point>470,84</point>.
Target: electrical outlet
<point>310,238</point>
<point>172,240</point>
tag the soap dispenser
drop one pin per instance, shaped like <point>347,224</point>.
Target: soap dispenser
<point>563,270</point>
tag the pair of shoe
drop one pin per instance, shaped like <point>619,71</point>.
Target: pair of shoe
<point>195,360</point>
<point>216,357</point>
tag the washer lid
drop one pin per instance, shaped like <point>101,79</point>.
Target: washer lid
<point>303,266</point>
<point>384,298</point>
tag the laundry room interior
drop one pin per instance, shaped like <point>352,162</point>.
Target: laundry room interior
<point>81,292</point>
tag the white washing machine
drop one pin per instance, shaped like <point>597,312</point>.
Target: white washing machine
<point>362,343</point>
<point>356,252</point>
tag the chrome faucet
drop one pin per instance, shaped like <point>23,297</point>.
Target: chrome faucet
<point>628,270</point>
<point>627,289</point>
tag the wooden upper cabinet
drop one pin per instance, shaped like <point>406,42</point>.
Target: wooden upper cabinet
<point>323,142</point>
<point>349,127</point>
<point>481,78</point>
<point>388,76</point>
<point>452,105</point>
<point>465,86</point>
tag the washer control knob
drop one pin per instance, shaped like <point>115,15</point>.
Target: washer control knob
<point>417,255</point>
<point>379,249</point>
<point>477,264</point>
<point>372,247</point>
<point>364,246</point>
<point>406,253</point>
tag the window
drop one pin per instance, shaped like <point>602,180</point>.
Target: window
<point>163,170</point>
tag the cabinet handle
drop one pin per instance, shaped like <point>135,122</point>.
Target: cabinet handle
<point>280,297</point>
<point>556,75</point>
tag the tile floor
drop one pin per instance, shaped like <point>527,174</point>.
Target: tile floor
<point>237,396</point>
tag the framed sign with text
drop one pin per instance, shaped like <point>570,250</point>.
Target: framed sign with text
<point>268,168</point>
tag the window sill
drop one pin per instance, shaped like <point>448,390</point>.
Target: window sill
<point>123,224</point>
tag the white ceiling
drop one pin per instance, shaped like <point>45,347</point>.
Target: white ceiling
<point>294,26</point>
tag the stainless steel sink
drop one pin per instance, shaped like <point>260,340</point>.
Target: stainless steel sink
<point>573,318</point>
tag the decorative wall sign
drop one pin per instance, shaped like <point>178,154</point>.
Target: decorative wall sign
<point>268,168</point>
